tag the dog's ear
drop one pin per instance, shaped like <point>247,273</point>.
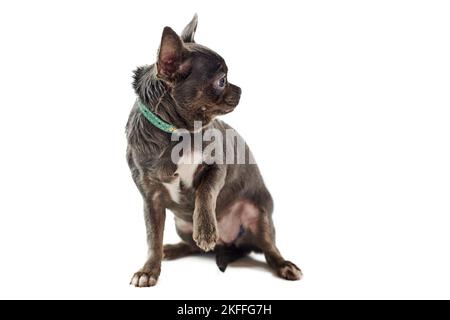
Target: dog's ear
<point>170,55</point>
<point>189,31</point>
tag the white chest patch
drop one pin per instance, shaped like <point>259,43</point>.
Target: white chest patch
<point>187,165</point>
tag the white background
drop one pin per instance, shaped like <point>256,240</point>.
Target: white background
<point>345,104</point>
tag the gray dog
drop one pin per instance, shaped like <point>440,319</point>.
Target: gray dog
<point>219,206</point>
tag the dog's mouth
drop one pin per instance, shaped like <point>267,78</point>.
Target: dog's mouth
<point>218,111</point>
<point>228,109</point>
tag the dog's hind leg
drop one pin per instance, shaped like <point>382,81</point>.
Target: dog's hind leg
<point>259,223</point>
<point>266,241</point>
<point>179,250</point>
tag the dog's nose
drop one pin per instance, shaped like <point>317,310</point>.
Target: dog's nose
<point>233,95</point>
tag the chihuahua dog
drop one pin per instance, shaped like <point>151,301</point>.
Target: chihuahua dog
<point>222,207</point>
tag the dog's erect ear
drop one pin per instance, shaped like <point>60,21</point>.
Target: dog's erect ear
<point>189,31</point>
<point>170,55</point>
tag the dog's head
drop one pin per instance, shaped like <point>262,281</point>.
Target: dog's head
<point>195,75</point>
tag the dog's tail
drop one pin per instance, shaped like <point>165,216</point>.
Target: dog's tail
<point>228,254</point>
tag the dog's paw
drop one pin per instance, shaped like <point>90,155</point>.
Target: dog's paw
<point>179,250</point>
<point>289,271</point>
<point>206,238</point>
<point>144,279</point>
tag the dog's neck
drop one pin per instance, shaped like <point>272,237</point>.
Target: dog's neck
<point>155,94</point>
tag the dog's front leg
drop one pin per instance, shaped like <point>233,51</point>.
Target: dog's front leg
<point>155,216</point>
<point>205,223</point>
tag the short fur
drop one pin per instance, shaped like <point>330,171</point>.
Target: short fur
<point>182,88</point>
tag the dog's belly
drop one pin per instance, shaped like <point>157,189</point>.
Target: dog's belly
<point>240,217</point>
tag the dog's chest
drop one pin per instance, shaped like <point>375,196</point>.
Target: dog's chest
<point>184,175</point>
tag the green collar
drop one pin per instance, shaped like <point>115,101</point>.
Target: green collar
<point>154,119</point>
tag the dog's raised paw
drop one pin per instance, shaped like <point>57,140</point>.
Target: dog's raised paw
<point>205,233</point>
<point>206,240</point>
<point>143,280</point>
<point>289,271</point>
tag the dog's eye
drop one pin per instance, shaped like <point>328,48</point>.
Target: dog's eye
<point>221,82</point>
